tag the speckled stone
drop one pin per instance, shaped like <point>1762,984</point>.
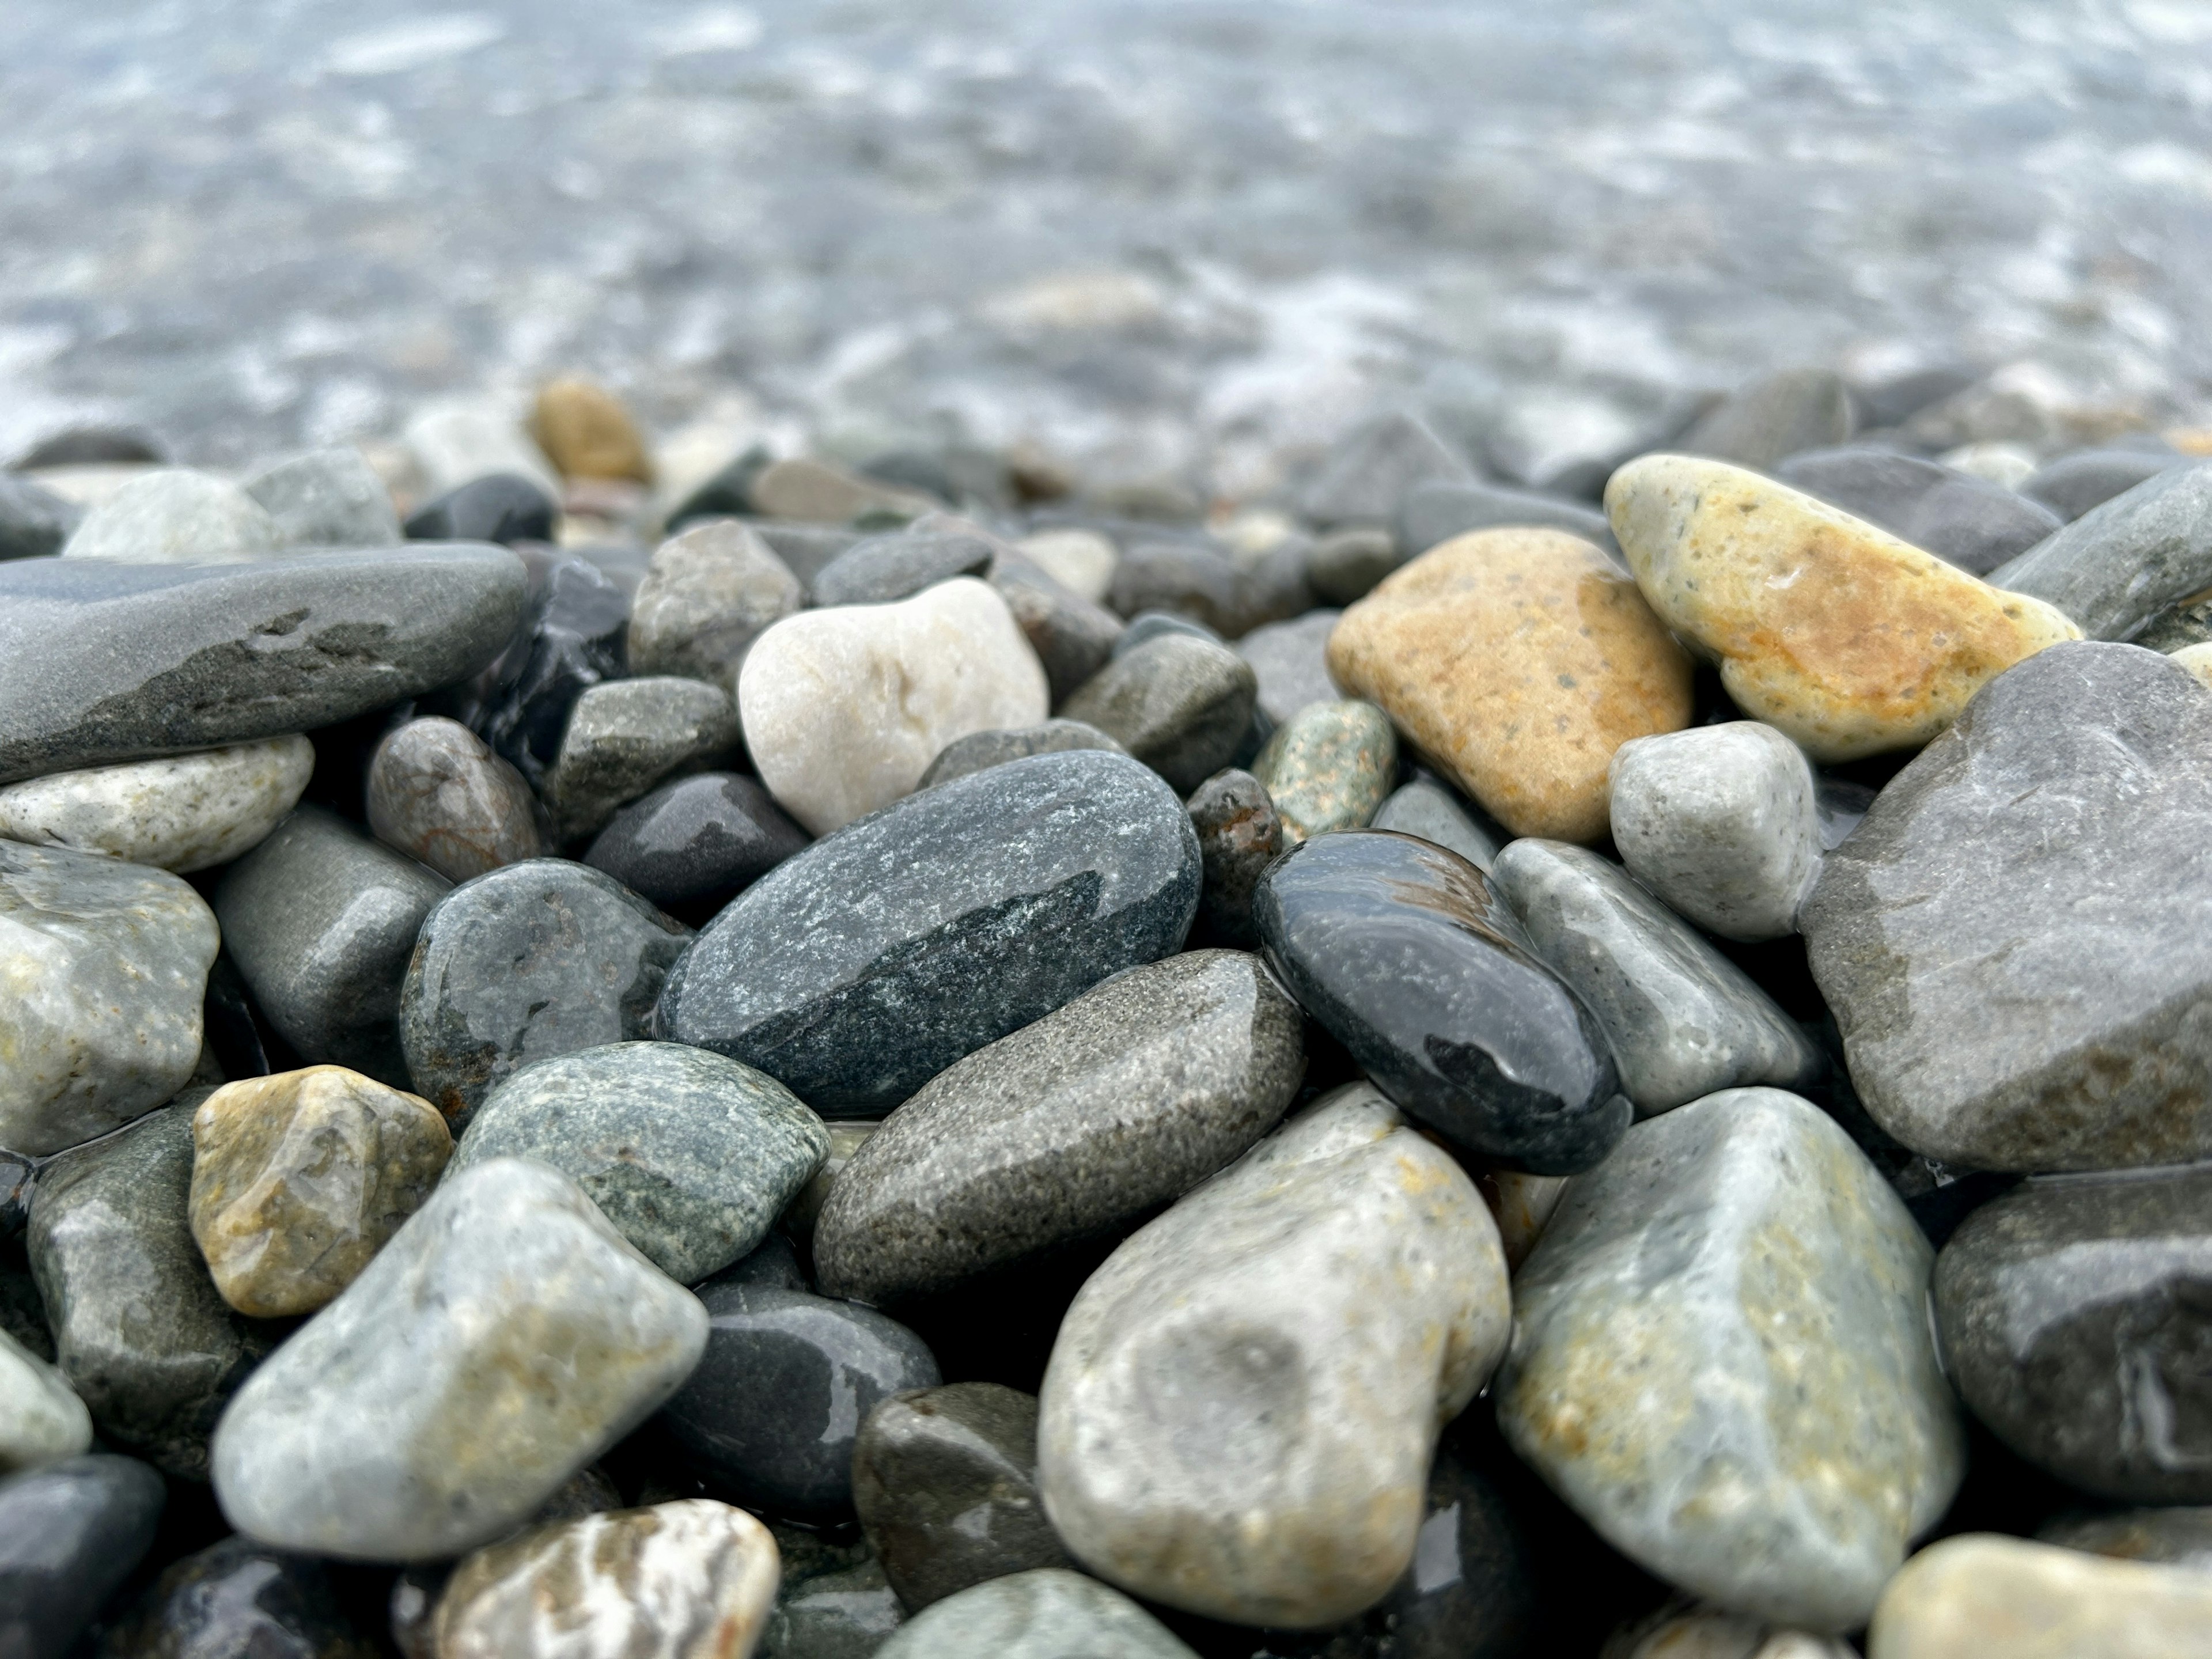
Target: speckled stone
<point>2119,564</point>
<point>708,594</point>
<point>2072,484</point>
<point>625,736</point>
<point>437,793</point>
<point>1047,1614</point>
<point>1073,635</point>
<point>1982,1596</point>
<point>503,1338</point>
<point>845,1138</point>
<point>882,569</point>
<point>1242,1402</point>
<point>173,515</point>
<point>241,1597</point>
<point>979,750</point>
<point>1290,660</point>
<point>2179,1537</point>
<point>299,1179</point>
<point>70,1535</point>
<point>1179,704</point>
<point>140,1331</point>
<point>185,813</point>
<point>1722,1360</point>
<point>535,959</point>
<point>2009,941</point>
<point>688,1580</point>
<point>1239,833</point>
<point>500,507</point>
<point>35,522</point>
<point>862,967</point>
<point>1967,521</point>
<point>1430,514</point>
<point>691,1155</point>
<point>1330,768</point>
<point>1430,811</point>
<point>1406,955</point>
<point>321,921</point>
<point>41,1419</point>
<point>1118,1102</point>
<point>1847,640</point>
<point>327,498</point>
<point>771,1414</point>
<point>1720,822</point>
<point>103,968</point>
<point>692,846</point>
<point>2071,1312</point>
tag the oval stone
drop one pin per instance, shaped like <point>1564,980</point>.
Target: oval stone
<point>1048,1613</point>
<point>438,793</point>
<point>1330,767</point>
<point>1181,704</point>
<point>184,813</point>
<point>1982,1596</point>
<point>691,846</point>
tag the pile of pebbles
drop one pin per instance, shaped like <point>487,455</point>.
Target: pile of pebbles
<point>827,1060</point>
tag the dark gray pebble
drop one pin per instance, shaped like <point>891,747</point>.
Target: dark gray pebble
<point>1182,706</point>
<point>692,846</point>
<point>504,508</point>
<point>980,750</point>
<point>70,1535</point>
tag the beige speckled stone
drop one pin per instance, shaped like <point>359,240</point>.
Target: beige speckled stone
<point>300,1178</point>
<point>2198,660</point>
<point>1519,660</point>
<point>587,432</point>
<point>184,812</point>
<point>1838,634</point>
<point>1982,1596</point>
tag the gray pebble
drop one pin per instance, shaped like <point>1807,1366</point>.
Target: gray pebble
<point>1771,419</point>
<point>327,498</point>
<point>1049,1613</point>
<point>1181,706</point>
<point>706,596</point>
<point>1188,579</point>
<point>886,569</point>
<point>979,750</point>
<point>1239,833</point>
<point>1345,564</point>
<point>1373,465</point>
<point>1429,810</point>
<point>1432,514</point>
<point>1969,521</point>
<point>1072,635</point>
<point>2073,484</point>
<point>2119,564</point>
<point>1288,659</point>
<point>625,736</point>
<point>437,793</point>
<point>34,522</point>
<point>173,515</point>
<point>1148,625</point>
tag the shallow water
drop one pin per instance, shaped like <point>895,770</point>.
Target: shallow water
<point>1155,235</point>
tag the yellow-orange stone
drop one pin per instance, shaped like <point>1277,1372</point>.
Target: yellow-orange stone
<point>587,432</point>
<point>1518,660</point>
<point>1837,634</point>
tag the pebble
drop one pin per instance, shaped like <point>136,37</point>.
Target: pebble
<point>1102,1111</point>
<point>321,920</point>
<point>327,498</point>
<point>1982,1596</point>
<point>1180,705</point>
<point>2119,564</point>
<point>858,969</point>
<point>299,1179</point>
<point>1322,1307</point>
<point>693,1579</point>
<point>772,1412</point>
<point>104,966</point>
<point>691,1155</point>
<point>1519,660</point>
<point>1073,637</point>
<point>2180,1536</point>
<point>833,1605</point>
<point>173,515</point>
<point>814,493</point>
<point>456,441</point>
<point>1409,958</point>
<point>241,1597</point>
<point>2008,940</point>
<point>1722,822</point>
<point>847,1137</point>
<point>41,1419</point>
<point>1684,1021</point>
<point>1722,1360</point>
<point>1845,639</point>
<point>1239,834</point>
<point>585,431</point>
<point>844,709</point>
<point>1705,1633</point>
<point>2198,660</point>
<point>1435,512</point>
<point>70,1535</point>
<point>2071,1314</point>
<point>1329,766</point>
<point>1372,466</point>
<point>504,1338</point>
<point>103,662</point>
<point>691,846</point>
<point>1289,660</point>
<point>140,1331</point>
<point>1345,564</point>
<point>980,750</point>
<point>2073,484</point>
<point>35,522</point>
<point>571,637</point>
<point>1148,625</point>
<point>535,959</point>
<point>1773,418</point>
<point>944,1482</point>
<point>1427,809</point>
<point>1186,579</point>
<point>1965,520</point>
<point>707,595</point>
<point>882,569</point>
<point>437,793</point>
<point>1049,1612</point>
<point>625,736</point>
<point>502,507</point>
<point>185,813</point>
<point>1081,560</point>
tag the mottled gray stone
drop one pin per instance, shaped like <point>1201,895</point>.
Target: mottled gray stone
<point>1180,704</point>
<point>1684,1021</point>
<point>981,750</point>
<point>1287,659</point>
<point>173,515</point>
<point>1345,565</point>
<point>327,498</point>
<point>1073,635</point>
<point>103,662</point>
<point>140,1330</point>
<point>437,793</point>
<point>184,812</point>
<point>321,920</point>
<point>2014,940</point>
<point>884,569</point>
<point>1119,1101</point>
<point>625,736</point>
<point>804,549</point>
<point>1781,414</point>
<point>505,1338</point>
<point>1328,767</point>
<point>1433,811</point>
<point>706,596</point>
<point>1721,822</point>
<point>829,1608</point>
<point>34,522</point>
<point>1047,1614</point>
<point>1969,521</point>
<point>2179,1537</point>
<point>1722,1360</point>
<point>1372,467</point>
<point>2118,565</point>
<point>1238,835</point>
<point>70,1536</point>
<point>2071,485</point>
<point>1432,514</point>
<point>534,959</point>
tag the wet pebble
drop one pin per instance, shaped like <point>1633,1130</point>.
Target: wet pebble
<point>1239,834</point>
<point>185,813</point>
<point>625,736</point>
<point>1044,1613</point>
<point>238,1596</point>
<point>691,846</point>
<point>1428,809</point>
<point>437,793</point>
<point>70,1535</point>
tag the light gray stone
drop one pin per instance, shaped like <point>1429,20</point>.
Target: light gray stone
<point>1982,1596</point>
<point>41,1419</point>
<point>327,498</point>
<point>173,515</point>
<point>1427,809</point>
<point>183,813</point>
<point>1048,1613</point>
<point>1287,659</point>
<point>1777,416</point>
<point>707,595</point>
<point>1376,464</point>
<point>625,736</point>
<point>2118,565</point>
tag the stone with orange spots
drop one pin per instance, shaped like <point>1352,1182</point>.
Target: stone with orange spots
<point>1517,661</point>
<point>1837,633</point>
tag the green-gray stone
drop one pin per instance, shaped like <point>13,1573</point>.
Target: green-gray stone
<point>835,1602</point>
<point>1330,767</point>
<point>1049,1613</point>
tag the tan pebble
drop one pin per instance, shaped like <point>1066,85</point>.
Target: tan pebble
<point>2198,660</point>
<point>1982,1596</point>
<point>587,432</point>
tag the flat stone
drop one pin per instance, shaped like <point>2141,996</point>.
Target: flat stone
<point>504,508</point>
<point>140,1331</point>
<point>173,515</point>
<point>41,1419</point>
<point>183,813</point>
<point>691,1155</point>
<point>1046,1613</point>
<point>693,1579</point>
<point>1518,660</point>
<point>707,595</point>
<point>2009,940</point>
<point>1779,416</point>
<point>535,959</point>
<point>438,793</point>
<point>882,569</point>
<point>35,522</point>
<point>504,1338</point>
<point>241,1597</point>
<point>1373,465</point>
<point>1408,957</point>
<point>815,493</point>
<point>1969,521</point>
<point>300,1178</point>
<point>978,751</point>
<point>321,921</point>
<point>625,736</point>
<point>1432,514</point>
<point>772,1412</point>
<point>1428,810</point>
<point>70,1535</point>
<point>1982,1596</point>
<point>1239,834</point>
<point>1684,1021</point>
<point>1073,635</point>
<point>1290,661</point>
<point>104,966</point>
<point>1345,564</point>
<point>1722,1360</point>
<point>2074,484</point>
<point>1180,704</point>
<point>1722,822</point>
<point>691,846</point>
<point>1102,1110</point>
<point>1330,767</point>
<point>327,498</point>
<point>587,432</point>
<point>1845,639</point>
<point>2069,1315</point>
<point>1242,1404</point>
<point>861,968</point>
<point>2179,1537</point>
<point>1082,561</point>
<point>103,662</point>
<point>2119,564</point>
<point>844,709</point>
<point>92,443</point>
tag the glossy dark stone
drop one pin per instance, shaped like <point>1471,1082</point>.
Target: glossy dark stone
<point>22,1316</point>
<point>1182,706</point>
<point>1238,837</point>
<point>1435,511</point>
<point>834,1603</point>
<point>1072,636</point>
<point>34,522</point>
<point>240,1036</point>
<point>241,1598</point>
<point>1969,521</point>
<point>504,508</point>
<point>883,568</point>
<point>2073,484</point>
<point>70,1535</point>
<point>946,1483</point>
<point>981,750</point>
<point>1403,952</point>
<point>773,1411</point>
<point>861,968</point>
<point>2075,1314</point>
<point>691,847</point>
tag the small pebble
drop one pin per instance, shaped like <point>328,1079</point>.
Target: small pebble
<point>1180,704</point>
<point>1074,636</point>
<point>186,813</point>
<point>173,515</point>
<point>585,431</point>
<point>1427,809</point>
<point>1186,579</point>
<point>327,498</point>
<point>625,736</point>
<point>41,1419</point>
<point>437,793</point>
<point>981,750</point>
<point>1982,1596</point>
<point>1346,564</point>
<point>2072,485</point>
<point>1371,468</point>
<point>70,1535</point>
<point>1239,834</point>
<point>815,493</point>
<point>706,596</point>
<point>1330,767</point>
<point>691,846</point>
<point>884,570</point>
<point>1290,661</point>
<point>502,507</point>
<point>1774,418</point>
<point>1049,1612</point>
<point>241,1597</point>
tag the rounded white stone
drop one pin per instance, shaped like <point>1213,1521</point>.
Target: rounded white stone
<point>184,812</point>
<point>173,515</point>
<point>1982,1596</point>
<point>41,1419</point>
<point>1082,560</point>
